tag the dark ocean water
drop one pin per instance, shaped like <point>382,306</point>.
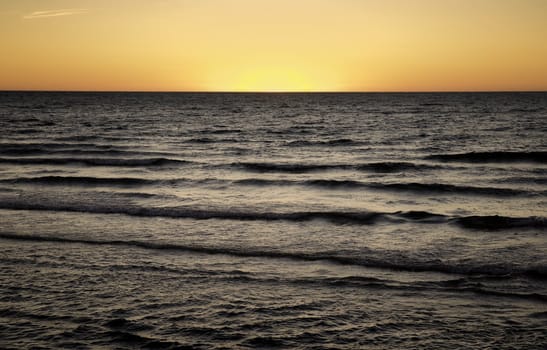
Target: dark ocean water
<point>310,221</point>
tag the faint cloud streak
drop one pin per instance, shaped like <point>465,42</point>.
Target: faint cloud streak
<point>54,13</point>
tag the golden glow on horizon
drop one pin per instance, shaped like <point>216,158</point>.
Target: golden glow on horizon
<point>268,78</point>
<point>271,76</point>
<point>267,45</point>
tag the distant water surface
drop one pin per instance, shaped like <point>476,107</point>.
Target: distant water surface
<point>309,221</point>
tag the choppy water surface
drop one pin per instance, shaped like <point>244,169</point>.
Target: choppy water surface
<point>335,221</point>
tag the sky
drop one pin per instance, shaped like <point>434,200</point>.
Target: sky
<point>273,45</point>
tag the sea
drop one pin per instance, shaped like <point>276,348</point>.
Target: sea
<point>273,220</point>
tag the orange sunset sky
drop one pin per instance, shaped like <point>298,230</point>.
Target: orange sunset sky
<point>273,45</point>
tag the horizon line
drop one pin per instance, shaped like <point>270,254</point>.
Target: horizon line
<point>280,92</point>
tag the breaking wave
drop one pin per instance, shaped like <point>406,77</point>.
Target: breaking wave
<point>494,222</point>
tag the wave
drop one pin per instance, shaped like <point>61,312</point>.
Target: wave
<point>134,340</point>
<point>211,140</point>
<point>362,218</point>
<point>78,138</point>
<point>15,151</point>
<point>55,145</point>
<point>378,167</point>
<point>524,180</point>
<point>220,131</point>
<point>393,167</point>
<point>264,182</point>
<point>496,222</point>
<point>447,188</point>
<point>109,181</point>
<point>525,110</point>
<point>492,157</point>
<point>80,180</point>
<point>336,142</point>
<point>72,151</point>
<point>455,285</point>
<point>141,136</point>
<point>537,272</point>
<point>27,131</point>
<point>114,162</point>
<point>328,184</point>
<point>422,188</point>
<point>288,168</point>
<point>491,223</point>
<point>421,216</point>
<point>471,283</point>
<point>201,140</point>
<point>404,187</point>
